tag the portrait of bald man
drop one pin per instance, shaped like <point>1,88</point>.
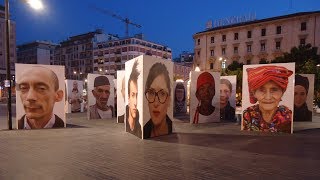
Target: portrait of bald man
<point>38,90</point>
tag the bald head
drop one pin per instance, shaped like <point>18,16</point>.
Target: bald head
<point>41,73</point>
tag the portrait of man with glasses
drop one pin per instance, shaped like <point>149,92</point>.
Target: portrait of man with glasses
<point>158,96</point>
<point>132,114</point>
<point>101,92</point>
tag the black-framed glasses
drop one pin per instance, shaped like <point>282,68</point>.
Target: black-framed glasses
<point>151,95</point>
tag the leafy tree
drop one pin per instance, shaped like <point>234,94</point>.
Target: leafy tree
<point>306,59</point>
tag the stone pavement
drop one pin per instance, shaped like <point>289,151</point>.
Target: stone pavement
<point>102,150</point>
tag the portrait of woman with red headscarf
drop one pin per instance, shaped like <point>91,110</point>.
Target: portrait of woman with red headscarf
<point>205,92</point>
<point>267,85</point>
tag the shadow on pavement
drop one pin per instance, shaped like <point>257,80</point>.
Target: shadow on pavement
<point>279,145</point>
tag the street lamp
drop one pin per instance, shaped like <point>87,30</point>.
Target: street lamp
<point>36,4</point>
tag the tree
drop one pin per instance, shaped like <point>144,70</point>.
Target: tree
<point>235,68</point>
<point>306,59</point>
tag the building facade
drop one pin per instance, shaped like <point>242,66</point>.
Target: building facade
<point>110,56</point>
<point>76,54</point>
<point>12,46</point>
<point>254,41</point>
<point>37,52</point>
<point>182,68</point>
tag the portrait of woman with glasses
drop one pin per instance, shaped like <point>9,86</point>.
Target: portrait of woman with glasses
<point>267,85</point>
<point>158,96</point>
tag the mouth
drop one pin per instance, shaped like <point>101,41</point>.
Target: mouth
<point>156,113</point>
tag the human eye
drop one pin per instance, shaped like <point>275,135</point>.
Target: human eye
<point>162,93</point>
<point>41,88</point>
<point>23,87</point>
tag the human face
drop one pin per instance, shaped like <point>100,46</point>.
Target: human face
<point>225,94</point>
<point>205,93</point>
<point>300,95</point>
<point>102,93</point>
<point>133,99</point>
<point>37,93</point>
<point>179,94</point>
<point>269,95</point>
<point>75,85</point>
<point>158,111</point>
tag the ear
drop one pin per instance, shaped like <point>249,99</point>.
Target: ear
<point>59,95</point>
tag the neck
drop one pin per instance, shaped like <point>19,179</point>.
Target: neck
<point>267,115</point>
<point>131,122</point>
<point>37,124</point>
<point>102,108</point>
<point>160,129</point>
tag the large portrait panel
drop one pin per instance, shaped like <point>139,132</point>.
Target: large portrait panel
<point>180,98</point>
<point>158,97</point>
<point>204,97</point>
<point>100,96</point>
<point>267,97</point>
<point>228,85</point>
<point>121,90</point>
<point>74,98</point>
<point>134,96</point>
<point>303,97</point>
<point>40,95</point>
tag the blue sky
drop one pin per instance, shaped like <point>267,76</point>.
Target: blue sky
<point>167,22</point>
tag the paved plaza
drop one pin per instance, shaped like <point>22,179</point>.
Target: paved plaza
<point>99,149</point>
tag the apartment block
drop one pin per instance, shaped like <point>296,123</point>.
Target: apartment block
<point>37,52</point>
<point>110,56</point>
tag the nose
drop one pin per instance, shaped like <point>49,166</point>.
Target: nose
<point>31,95</point>
<point>105,94</point>
<point>135,101</point>
<point>268,95</point>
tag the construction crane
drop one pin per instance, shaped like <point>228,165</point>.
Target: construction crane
<point>125,20</point>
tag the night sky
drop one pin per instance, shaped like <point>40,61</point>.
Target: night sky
<point>167,22</point>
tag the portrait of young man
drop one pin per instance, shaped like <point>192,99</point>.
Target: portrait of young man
<point>40,96</point>
<point>101,99</point>
<point>132,113</point>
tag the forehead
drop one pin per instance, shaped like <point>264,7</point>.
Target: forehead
<point>299,88</point>
<point>270,84</point>
<point>104,87</point>
<point>224,87</point>
<point>36,75</point>
<point>159,83</point>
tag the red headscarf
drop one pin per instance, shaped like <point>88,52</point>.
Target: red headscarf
<point>205,78</point>
<point>257,77</point>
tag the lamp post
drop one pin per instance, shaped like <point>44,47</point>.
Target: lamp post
<point>36,4</point>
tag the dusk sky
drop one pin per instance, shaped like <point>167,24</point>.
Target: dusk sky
<point>167,22</point>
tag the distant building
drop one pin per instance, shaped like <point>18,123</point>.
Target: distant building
<point>76,54</point>
<point>110,56</point>
<point>3,64</point>
<point>256,40</point>
<point>182,68</point>
<point>37,52</point>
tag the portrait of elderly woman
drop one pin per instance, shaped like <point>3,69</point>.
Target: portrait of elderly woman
<point>158,96</point>
<point>267,85</point>
<point>205,92</point>
<point>180,99</point>
<point>301,89</point>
